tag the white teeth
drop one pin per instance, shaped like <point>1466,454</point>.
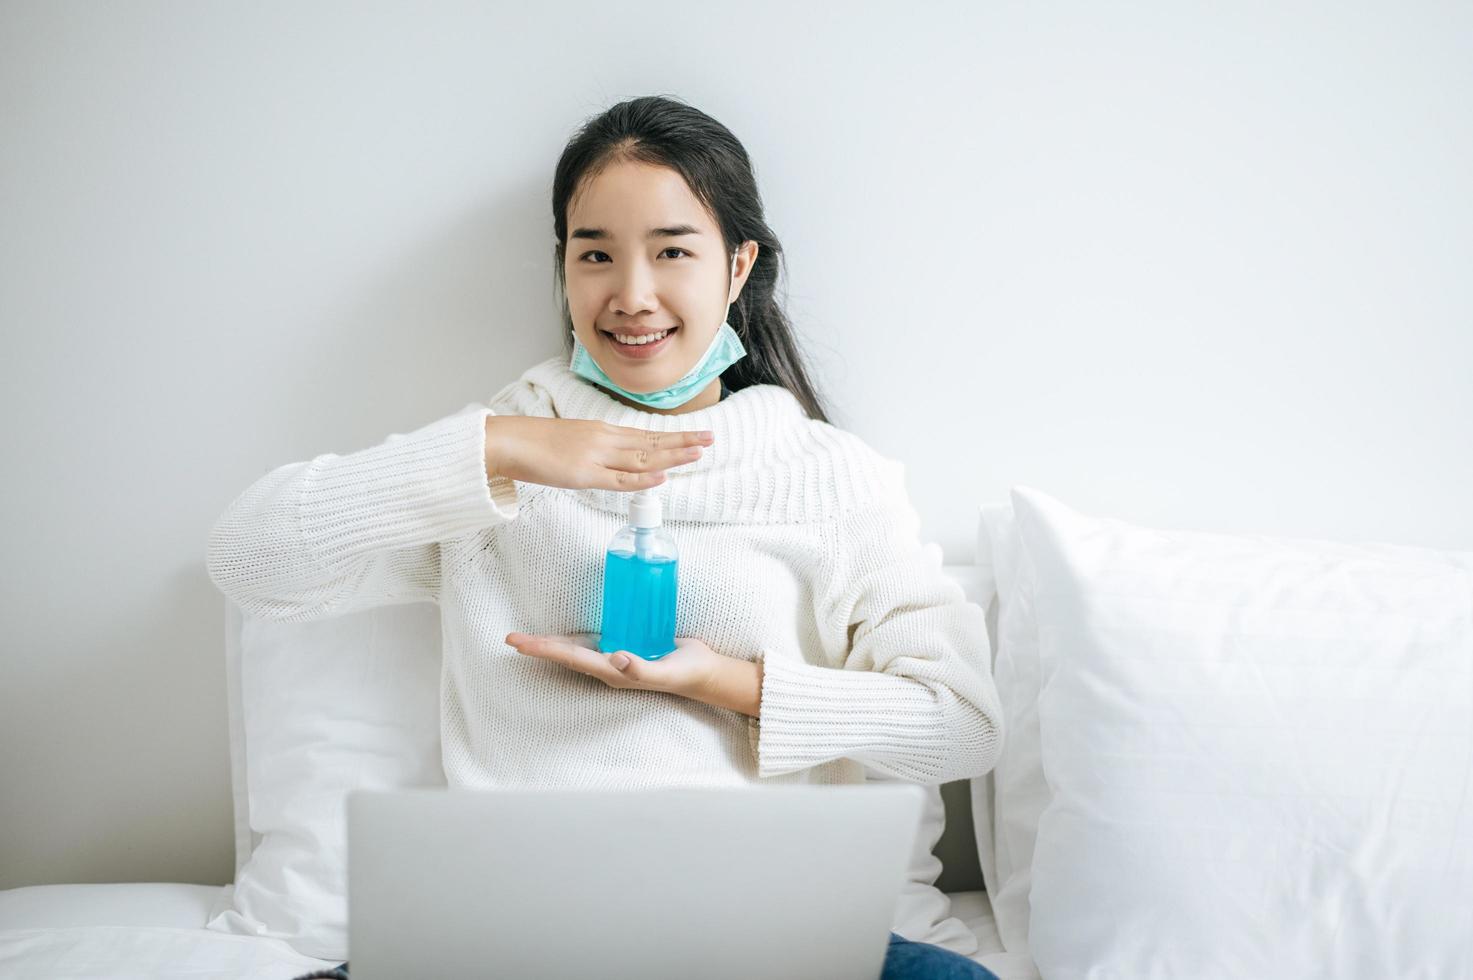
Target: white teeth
<point>648,338</point>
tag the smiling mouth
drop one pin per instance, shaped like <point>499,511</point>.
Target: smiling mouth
<point>649,343</point>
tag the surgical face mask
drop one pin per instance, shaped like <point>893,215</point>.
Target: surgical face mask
<point>724,351</point>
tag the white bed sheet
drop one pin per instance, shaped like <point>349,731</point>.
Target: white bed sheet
<point>975,911</point>
<point>130,952</point>
<point>129,930</point>
<point>156,929</point>
<point>152,903</point>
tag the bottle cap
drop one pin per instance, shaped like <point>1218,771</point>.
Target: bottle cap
<point>644,508</point>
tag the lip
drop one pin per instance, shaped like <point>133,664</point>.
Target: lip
<point>640,353</point>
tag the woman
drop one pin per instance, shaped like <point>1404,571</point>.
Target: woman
<point>817,635</point>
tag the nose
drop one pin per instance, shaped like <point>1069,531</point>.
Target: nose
<point>634,292</point>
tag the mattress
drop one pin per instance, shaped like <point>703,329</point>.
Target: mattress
<point>156,929</point>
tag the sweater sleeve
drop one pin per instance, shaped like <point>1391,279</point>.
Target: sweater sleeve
<point>340,533</point>
<point>907,687</point>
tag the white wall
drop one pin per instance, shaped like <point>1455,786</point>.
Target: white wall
<point>1188,265</point>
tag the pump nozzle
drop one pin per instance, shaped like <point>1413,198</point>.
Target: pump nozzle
<point>644,508</point>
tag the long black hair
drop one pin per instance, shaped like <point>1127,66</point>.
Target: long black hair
<point>666,132</point>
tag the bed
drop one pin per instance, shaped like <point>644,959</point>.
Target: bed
<point>283,916</point>
<point>155,929</point>
<point>1226,755</point>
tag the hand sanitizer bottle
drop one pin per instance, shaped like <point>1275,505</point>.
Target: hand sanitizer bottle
<point>639,584</point>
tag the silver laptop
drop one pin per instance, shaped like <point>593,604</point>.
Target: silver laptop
<point>790,881</point>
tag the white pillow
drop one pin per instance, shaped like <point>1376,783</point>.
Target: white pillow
<point>318,708</point>
<point>1013,795</point>
<point>1258,753</point>
<point>324,706</point>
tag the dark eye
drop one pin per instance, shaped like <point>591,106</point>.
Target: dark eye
<point>672,248</point>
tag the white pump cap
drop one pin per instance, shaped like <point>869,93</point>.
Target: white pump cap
<point>644,509</point>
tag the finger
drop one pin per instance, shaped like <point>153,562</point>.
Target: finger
<point>643,458</point>
<point>634,670</point>
<point>564,650</point>
<point>625,480</point>
<point>554,648</point>
<point>635,438</point>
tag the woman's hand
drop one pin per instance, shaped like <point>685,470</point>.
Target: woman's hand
<point>579,453</point>
<point>687,670</point>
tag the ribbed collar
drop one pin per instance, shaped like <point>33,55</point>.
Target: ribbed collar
<point>770,463</point>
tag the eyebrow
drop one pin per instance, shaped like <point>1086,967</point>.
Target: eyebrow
<point>674,231</point>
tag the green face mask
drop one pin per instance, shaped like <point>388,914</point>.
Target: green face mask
<point>725,350</point>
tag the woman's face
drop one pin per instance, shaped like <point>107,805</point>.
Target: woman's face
<point>644,257</point>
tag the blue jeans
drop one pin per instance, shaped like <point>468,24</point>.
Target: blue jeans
<point>908,960</point>
<point>904,960</point>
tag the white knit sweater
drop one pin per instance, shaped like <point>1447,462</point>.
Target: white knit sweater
<point>797,545</point>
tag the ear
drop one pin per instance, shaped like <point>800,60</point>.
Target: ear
<point>746,257</point>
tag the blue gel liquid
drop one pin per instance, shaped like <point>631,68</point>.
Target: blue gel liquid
<point>639,605</point>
